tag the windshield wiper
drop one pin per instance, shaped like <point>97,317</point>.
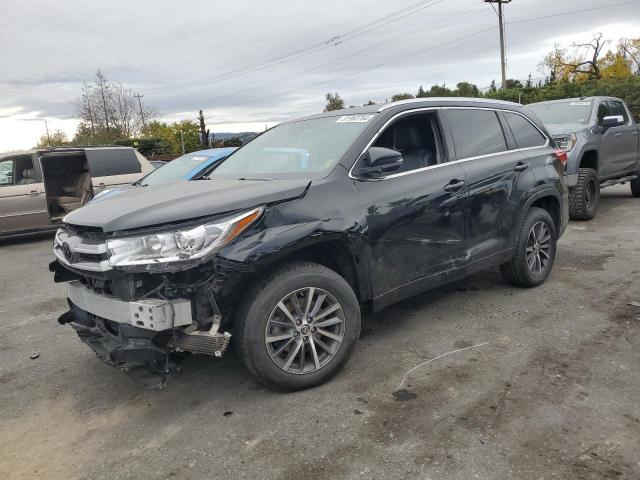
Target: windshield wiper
<point>256,179</point>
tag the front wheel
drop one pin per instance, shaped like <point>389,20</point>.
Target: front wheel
<point>298,326</point>
<point>535,250</point>
<point>584,198</point>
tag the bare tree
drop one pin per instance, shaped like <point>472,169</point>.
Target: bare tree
<point>111,110</point>
<point>589,64</point>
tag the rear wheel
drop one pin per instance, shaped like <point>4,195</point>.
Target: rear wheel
<point>535,250</point>
<point>298,327</point>
<point>635,186</point>
<point>584,198</point>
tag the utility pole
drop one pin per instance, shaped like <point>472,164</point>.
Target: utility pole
<point>204,133</point>
<point>46,125</point>
<point>86,96</point>
<point>503,60</point>
<point>138,96</point>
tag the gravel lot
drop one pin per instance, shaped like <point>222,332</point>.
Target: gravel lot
<point>554,394</point>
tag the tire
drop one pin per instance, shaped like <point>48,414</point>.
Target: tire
<point>261,319</point>
<point>584,198</point>
<point>518,270</point>
<point>635,186</point>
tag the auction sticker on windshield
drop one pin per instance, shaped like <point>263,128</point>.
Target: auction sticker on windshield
<point>355,119</point>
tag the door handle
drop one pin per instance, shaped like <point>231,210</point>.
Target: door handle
<point>34,193</point>
<point>521,167</point>
<point>454,185</point>
<point>619,134</point>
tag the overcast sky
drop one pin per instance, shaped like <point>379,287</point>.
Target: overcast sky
<point>249,63</point>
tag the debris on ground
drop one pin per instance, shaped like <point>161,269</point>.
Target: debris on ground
<point>34,355</point>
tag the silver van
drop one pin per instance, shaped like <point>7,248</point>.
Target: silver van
<point>39,187</point>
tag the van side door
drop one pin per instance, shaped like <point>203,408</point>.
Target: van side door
<point>112,167</point>
<point>23,203</point>
<point>497,178</point>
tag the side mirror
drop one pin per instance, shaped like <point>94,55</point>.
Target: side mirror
<point>611,121</point>
<point>379,161</point>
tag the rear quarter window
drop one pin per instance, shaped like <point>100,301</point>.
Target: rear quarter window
<point>526,135</point>
<point>475,132</point>
<point>112,161</point>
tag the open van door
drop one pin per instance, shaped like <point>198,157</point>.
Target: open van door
<point>67,182</point>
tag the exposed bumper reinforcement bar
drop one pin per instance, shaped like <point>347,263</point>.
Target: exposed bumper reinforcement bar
<point>149,313</point>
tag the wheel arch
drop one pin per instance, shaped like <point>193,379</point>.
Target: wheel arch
<point>590,159</point>
<point>549,200</point>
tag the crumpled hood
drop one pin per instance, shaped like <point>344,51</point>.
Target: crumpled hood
<point>182,201</point>
<point>566,128</point>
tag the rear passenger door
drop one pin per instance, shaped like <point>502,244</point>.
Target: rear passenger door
<point>111,167</point>
<point>497,177</point>
<point>620,143</point>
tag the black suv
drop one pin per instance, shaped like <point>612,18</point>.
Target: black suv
<point>283,243</point>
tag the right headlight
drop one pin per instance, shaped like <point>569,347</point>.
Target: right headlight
<point>178,245</point>
<point>566,142</point>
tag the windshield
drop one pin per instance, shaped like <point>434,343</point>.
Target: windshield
<point>181,167</point>
<point>577,111</point>
<point>306,148</point>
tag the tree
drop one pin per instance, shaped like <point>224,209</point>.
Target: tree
<point>493,88</point>
<point>421,93</point>
<point>467,89</point>
<point>108,111</point>
<point>334,102</point>
<point>204,133</point>
<point>232,142</point>
<point>57,139</point>
<point>511,83</point>
<point>439,91</point>
<point>370,102</point>
<point>630,48</point>
<point>401,96</point>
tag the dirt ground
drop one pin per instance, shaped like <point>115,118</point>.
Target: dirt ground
<point>554,394</point>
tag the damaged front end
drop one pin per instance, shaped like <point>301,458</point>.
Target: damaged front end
<point>141,315</point>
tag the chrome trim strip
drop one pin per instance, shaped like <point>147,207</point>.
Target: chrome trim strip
<point>419,170</point>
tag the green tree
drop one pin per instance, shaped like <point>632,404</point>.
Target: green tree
<point>57,139</point>
<point>232,142</point>
<point>467,89</point>
<point>334,102</point>
<point>439,91</point>
<point>421,93</point>
<point>401,96</point>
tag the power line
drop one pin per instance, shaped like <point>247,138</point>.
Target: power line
<point>333,41</point>
<point>427,50</point>
<point>375,48</point>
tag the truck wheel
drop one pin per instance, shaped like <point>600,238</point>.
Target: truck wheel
<point>584,198</point>
<point>535,250</point>
<point>298,326</point>
<point>635,186</point>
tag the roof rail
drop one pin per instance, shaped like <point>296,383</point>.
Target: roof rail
<point>445,99</point>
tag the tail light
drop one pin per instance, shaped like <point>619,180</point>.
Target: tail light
<point>561,155</point>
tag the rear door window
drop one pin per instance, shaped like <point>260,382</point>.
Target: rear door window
<point>524,132</point>
<point>475,132</point>
<point>112,161</point>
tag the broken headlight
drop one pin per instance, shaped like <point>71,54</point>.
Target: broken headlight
<point>178,245</point>
<point>566,142</point>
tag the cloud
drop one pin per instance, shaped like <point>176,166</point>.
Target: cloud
<point>188,55</point>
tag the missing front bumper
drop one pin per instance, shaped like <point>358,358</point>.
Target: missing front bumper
<point>120,345</point>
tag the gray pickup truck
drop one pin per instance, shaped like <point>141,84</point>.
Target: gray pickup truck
<point>602,142</point>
